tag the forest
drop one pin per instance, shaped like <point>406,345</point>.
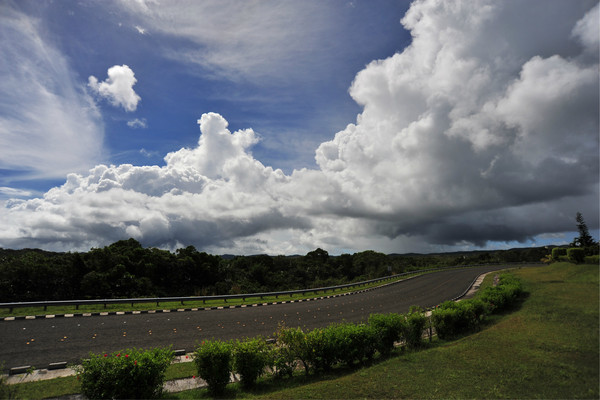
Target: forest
<point>125,269</point>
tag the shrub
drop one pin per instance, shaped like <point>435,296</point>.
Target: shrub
<point>557,252</point>
<point>322,348</point>
<point>455,318</point>
<point>388,328</point>
<point>213,361</point>
<point>413,330</point>
<point>250,357</point>
<point>595,259</point>
<point>353,343</point>
<point>128,374</point>
<point>504,295</point>
<point>576,254</point>
<point>291,345</point>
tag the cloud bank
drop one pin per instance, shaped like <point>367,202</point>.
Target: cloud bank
<point>484,129</point>
<point>117,88</point>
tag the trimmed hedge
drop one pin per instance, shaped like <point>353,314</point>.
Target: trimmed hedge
<point>213,361</point>
<point>452,319</point>
<point>389,328</point>
<point>250,358</point>
<point>576,255</point>
<point>320,349</point>
<point>415,325</point>
<point>128,374</point>
<point>557,252</point>
<point>504,295</point>
<point>291,345</point>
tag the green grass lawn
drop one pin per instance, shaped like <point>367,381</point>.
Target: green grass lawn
<point>546,348</point>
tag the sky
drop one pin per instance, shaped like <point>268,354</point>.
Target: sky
<point>279,127</point>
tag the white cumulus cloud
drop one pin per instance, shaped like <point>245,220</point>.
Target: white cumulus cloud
<point>118,87</point>
<point>484,129</point>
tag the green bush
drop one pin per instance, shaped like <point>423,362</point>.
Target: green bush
<point>576,255</point>
<point>353,342</point>
<point>291,346</point>
<point>504,295</point>
<point>128,374</point>
<point>595,259</point>
<point>213,361</point>
<point>322,354</point>
<point>250,358</point>
<point>388,328</point>
<point>451,319</point>
<point>557,252</point>
<point>413,330</point>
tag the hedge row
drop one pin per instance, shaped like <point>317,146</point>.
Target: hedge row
<point>452,319</point>
<point>140,374</point>
<point>317,350</point>
<point>576,255</point>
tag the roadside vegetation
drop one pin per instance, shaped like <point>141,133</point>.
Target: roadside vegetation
<point>125,269</point>
<point>524,350</point>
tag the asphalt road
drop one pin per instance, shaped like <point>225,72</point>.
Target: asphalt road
<point>39,342</point>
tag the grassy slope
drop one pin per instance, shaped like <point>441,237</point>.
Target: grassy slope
<point>546,349</point>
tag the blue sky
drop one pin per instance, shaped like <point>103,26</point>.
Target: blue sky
<point>346,125</point>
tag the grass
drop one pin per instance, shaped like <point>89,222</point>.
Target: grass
<point>546,348</point>
<point>5,312</point>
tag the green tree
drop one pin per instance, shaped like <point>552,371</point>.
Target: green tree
<point>584,239</point>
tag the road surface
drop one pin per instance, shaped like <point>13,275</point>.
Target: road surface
<point>38,342</point>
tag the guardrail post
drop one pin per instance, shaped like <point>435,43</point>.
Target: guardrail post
<point>105,306</point>
<point>76,307</point>
<point>182,302</point>
<point>45,308</point>
<point>157,304</point>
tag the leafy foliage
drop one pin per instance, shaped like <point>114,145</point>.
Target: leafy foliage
<point>250,357</point>
<point>388,329</point>
<point>576,255</point>
<point>213,361</point>
<point>452,319</point>
<point>413,330</point>
<point>291,346</point>
<point>128,374</point>
<point>126,269</point>
<point>557,252</point>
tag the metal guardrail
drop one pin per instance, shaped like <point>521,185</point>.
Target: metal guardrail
<point>159,300</point>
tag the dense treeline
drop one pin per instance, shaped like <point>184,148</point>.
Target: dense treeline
<point>126,269</point>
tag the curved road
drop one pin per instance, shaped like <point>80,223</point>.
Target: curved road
<point>39,342</point>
